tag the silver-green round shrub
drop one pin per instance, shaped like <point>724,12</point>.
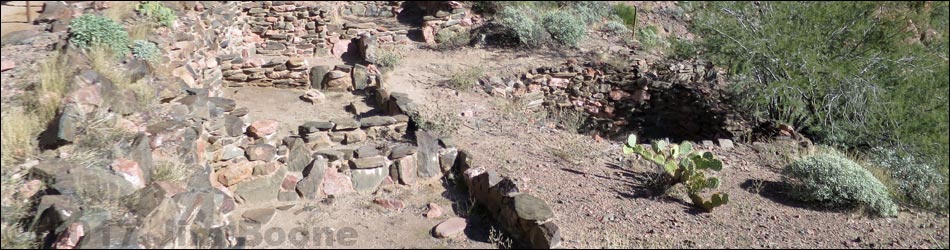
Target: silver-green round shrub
<point>832,179</point>
<point>520,21</point>
<point>92,30</point>
<point>917,182</point>
<point>564,27</point>
<point>616,28</point>
<point>145,50</point>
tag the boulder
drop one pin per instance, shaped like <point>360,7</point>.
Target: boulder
<point>450,228</point>
<point>261,152</point>
<point>263,128</point>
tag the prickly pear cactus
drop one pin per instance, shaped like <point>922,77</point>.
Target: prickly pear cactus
<point>683,167</point>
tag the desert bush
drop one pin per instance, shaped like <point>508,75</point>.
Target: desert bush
<point>522,24</point>
<point>591,12</point>
<point>564,27</point>
<point>915,182</point>
<point>171,170</point>
<point>682,49</point>
<point>648,37</point>
<point>157,12</point>
<point>388,58</point>
<point>465,79</point>
<point>683,166</point>
<point>830,179</point>
<point>849,74</point>
<point>145,50</point>
<point>616,28</point>
<point>91,30</point>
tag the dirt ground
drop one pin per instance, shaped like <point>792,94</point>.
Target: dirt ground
<point>598,195</point>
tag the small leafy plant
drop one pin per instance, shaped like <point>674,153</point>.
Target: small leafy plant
<point>683,166</point>
<point>91,30</point>
<point>145,50</point>
<point>158,13</point>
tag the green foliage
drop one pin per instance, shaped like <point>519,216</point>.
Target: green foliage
<point>157,12</point>
<point>563,27</point>
<point>537,23</point>
<point>648,37</point>
<point>682,49</point>
<point>917,183</point>
<point>387,59</point>
<point>465,79</point>
<point>591,12</point>
<point>521,22</point>
<point>684,166</point>
<point>628,14</point>
<point>91,30</point>
<point>616,28</point>
<point>145,50</point>
<point>848,74</point>
<point>831,179</point>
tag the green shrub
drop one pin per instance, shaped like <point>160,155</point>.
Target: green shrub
<point>628,14</point>
<point>146,50</point>
<point>158,13</point>
<point>387,59</point>
<point>522,23</point>
<point>465,79</point>
<point>917,183</point>
<point>848,74</point>
<point>563,27</point>
<point>682,49</point>
<point>683,166</point>
<point>616,28</point>
<point>831,179</point>
<point>591,12</point>
<point>648,37</point>
<point>90,30</point>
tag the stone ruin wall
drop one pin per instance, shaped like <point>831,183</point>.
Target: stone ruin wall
<point>278,43</point>
<point>668,99</point>
<point>241,44</point>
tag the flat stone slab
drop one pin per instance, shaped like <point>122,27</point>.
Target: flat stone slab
<point>450,228</point>
<point>532,208</point>
<point>259,216</point>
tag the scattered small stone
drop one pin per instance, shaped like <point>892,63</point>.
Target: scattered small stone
<point>263,128</point>
<point>726,144</point>
<point>313,96</point>
<point>435,211</point>
<point>390,204</point>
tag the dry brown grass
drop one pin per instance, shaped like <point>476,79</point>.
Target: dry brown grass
<point>18,136</point>
<point>120,10</point>
<point>140,30</point>
<point>54,84</point>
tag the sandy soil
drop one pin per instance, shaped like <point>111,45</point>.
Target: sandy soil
<point>598,194</point>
